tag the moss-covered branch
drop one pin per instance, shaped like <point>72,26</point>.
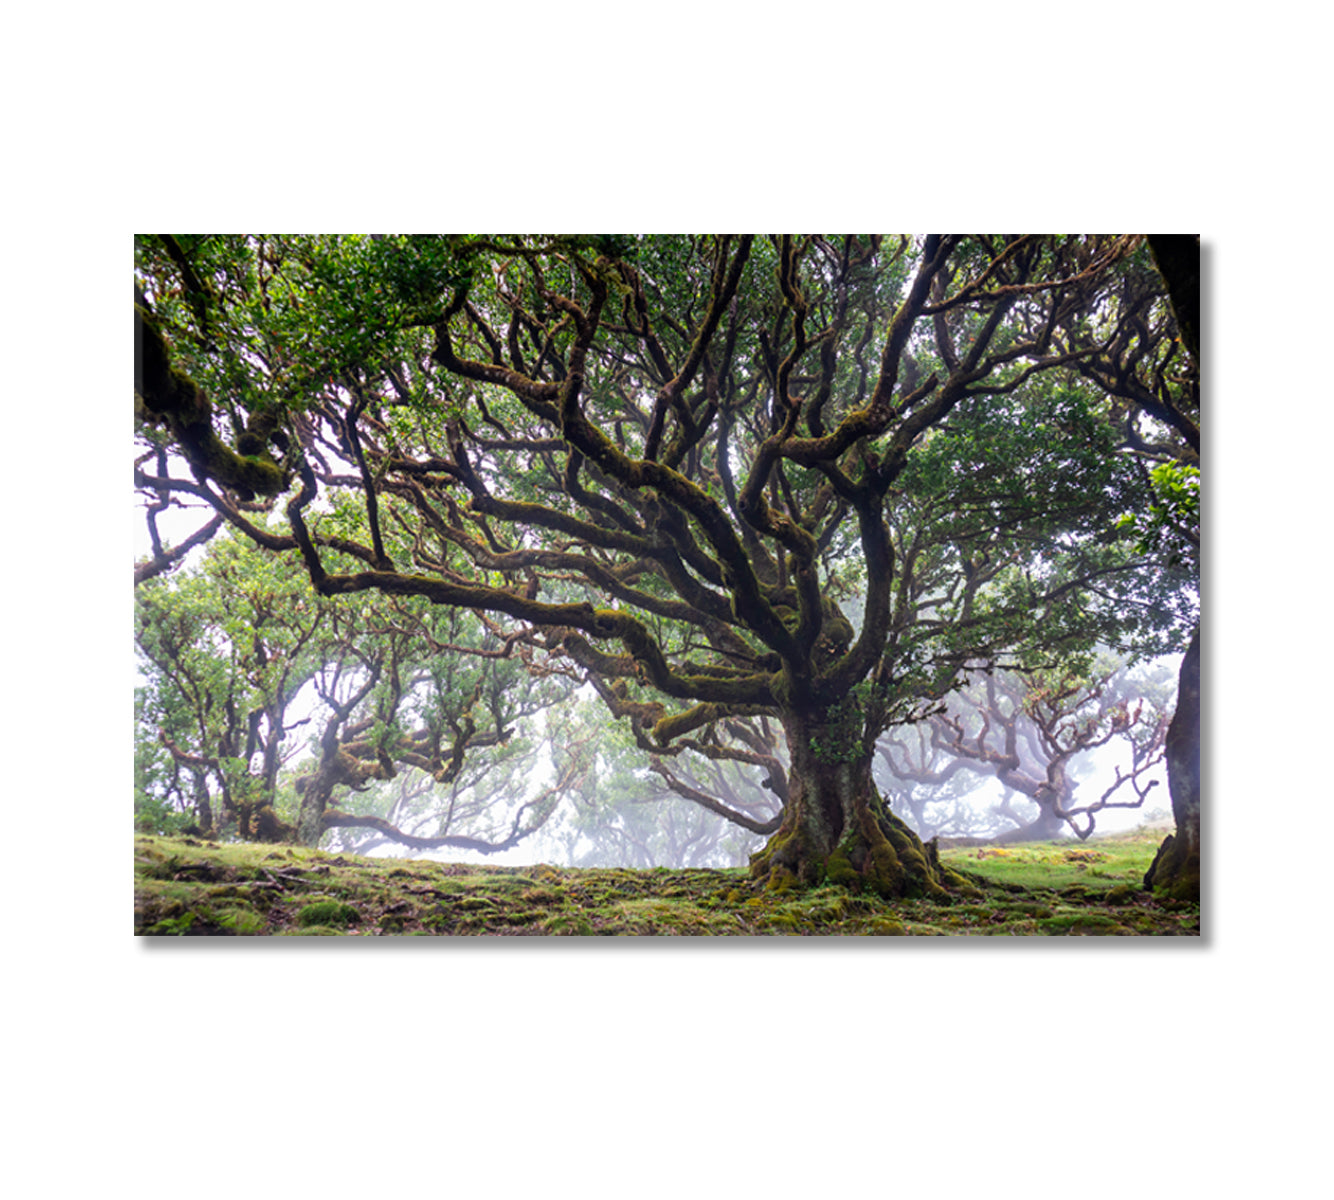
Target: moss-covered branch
<point>167,395</point>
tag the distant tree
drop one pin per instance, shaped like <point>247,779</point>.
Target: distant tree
<point>223,652</point>
<point>735,769</point>
<point>495,803</point>
<point>629,809</point>
<point>1035,735</point>
<point>420,689</point>
<point>672,461</point>
<point>650,825</point>
<point>387,685</point>
<point>931,789</point>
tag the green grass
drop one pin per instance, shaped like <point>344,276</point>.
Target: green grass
<point>188,887</point>
<point>1096,866</point>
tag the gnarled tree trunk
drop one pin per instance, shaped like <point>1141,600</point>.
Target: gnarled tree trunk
<point>1176,868</point>
<point>836,827</point>
<point>1047,826</point>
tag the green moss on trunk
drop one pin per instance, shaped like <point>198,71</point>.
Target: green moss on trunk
<point>837,829</point>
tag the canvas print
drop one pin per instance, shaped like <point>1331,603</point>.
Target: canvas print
<point>702,585</point>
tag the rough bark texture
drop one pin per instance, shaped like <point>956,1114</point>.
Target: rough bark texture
<point>1176,868</point>
<point>837,829</point>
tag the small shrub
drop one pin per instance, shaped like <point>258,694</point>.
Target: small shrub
<point>328,912</point>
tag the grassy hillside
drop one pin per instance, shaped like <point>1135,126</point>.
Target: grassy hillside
<point>186,886</point>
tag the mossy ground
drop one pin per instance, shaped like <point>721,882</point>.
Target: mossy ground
<point>187,886</point>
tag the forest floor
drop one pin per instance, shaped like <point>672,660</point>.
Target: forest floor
<point>192,887</point>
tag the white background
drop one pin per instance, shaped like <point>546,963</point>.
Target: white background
<point>1098,1067</point>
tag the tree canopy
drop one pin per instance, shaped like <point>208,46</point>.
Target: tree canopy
<point>808,481</point>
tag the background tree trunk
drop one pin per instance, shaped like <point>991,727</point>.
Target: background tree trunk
<point>1176,868</point>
